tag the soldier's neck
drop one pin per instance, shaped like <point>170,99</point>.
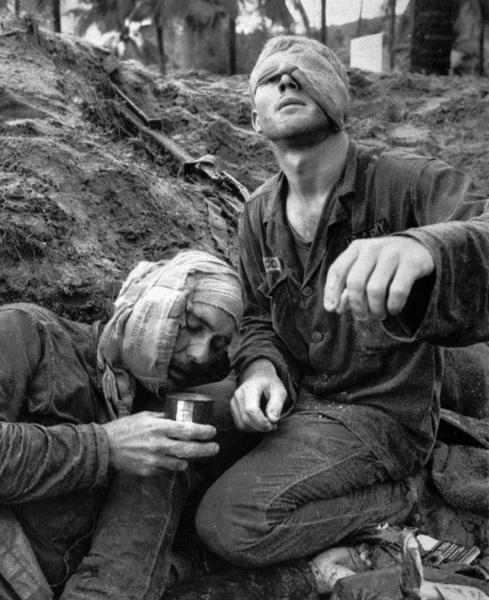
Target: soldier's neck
<point>312,171</point>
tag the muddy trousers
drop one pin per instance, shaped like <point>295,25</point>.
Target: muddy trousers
<point>130,555</point>
<point>304,488</point>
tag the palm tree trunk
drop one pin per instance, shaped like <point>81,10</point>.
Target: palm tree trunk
<point>232,46</point>
<point>482,68</point>
<point>324,27</point>
<point>360,21</point>
<point>56,15</point>
<point>160,42</point>
<point>305,19</point>
<point>392,29</point>
<point>432,35</point>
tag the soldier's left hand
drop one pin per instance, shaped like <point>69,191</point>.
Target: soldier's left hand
<point>374,277</point>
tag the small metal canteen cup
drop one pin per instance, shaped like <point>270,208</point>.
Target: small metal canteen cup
<point>190,407</point>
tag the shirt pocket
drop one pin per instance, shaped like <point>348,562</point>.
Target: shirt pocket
<point>371,337</point>
<point>276,290</point>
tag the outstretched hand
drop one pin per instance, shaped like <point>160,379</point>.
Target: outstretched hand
<point>257,403</point>
<point>374,277</point>
<point>146,442</point>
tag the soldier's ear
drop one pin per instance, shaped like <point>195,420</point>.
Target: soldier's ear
<point>255,121</point>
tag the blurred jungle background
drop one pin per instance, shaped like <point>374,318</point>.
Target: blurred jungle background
<point>224,36</point>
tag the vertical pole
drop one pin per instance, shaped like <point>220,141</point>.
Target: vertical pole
<point>392,35</point>
<point>232,46</point>
<point>57,15</point>
<point>359,22</point>
<point>324,28</point>
<point>432,36</point>
<point>482,39</point>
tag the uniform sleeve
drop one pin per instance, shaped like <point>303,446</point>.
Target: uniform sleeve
<point>454,226</point>
<point>35,461</point>
<point>258,337</point>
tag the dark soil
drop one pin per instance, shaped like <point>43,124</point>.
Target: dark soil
<point>84,195</point>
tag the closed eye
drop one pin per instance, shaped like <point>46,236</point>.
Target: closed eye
<point>192,323</point>
<point>273,79</point>
<point>220,343</point>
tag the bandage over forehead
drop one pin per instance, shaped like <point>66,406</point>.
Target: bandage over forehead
<point>138,341</point>
<point>314,66</point>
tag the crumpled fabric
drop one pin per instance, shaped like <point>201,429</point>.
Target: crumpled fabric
<point>138,341</point>
<point>461,476</point>
<point>458,592</point>
<point>18,564</point>
<point>314,66</point>
<point>384,584</point>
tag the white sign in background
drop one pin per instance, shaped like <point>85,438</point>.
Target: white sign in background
<point>366,52</point>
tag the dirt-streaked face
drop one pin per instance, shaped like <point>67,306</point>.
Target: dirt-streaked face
<point>200,351</point>
<point>284,111</point>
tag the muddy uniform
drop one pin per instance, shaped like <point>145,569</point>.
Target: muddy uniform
<point>54,469</point>
<point>363,405</point>
<point>54,457</point>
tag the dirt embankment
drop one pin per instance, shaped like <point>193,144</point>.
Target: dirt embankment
<point>84,195</point>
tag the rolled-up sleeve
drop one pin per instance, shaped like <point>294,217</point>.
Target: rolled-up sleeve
<point>454,227</point>
<point>457,313</point>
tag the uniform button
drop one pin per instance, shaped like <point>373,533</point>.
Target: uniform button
<point>307,291</point>
<point>317,336</point>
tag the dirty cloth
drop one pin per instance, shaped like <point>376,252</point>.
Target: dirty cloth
<point>449,591</point>
<point>380,379</point>
<point>461,476</point>
<point>465,386</point>
<point>138,340</point>
<point>20,574</point>
<point>383,584</point>
<point>131,550</point>
<point>460,473</point>
<point>314,66</point>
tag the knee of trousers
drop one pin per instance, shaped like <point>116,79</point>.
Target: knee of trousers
<point>231,531</point>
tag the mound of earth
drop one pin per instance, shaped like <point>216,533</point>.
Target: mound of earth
<point>88,188</point>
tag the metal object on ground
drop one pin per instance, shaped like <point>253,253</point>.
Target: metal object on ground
<point>412,569</point>
<point>190,407</point>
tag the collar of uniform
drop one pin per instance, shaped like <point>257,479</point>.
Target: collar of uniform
<point>345,190</point>
<point>277,185</point>
<point>346,185</point>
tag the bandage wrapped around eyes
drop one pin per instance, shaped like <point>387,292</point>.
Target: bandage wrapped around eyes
<point>314,66</point>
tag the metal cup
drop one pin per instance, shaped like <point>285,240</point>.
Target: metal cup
<point>190,407</point>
